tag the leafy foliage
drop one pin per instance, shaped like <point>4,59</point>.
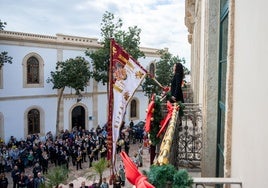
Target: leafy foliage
<point>155,123</point>
<point>72,73</point>
<point>158,117</point>
<point>129,40</point>
<point>56,175</point>
<point>163,73</point>
<point>159,176</point>
<point>4,58</point>
<point>182,179</point>
<point>2,25</point>
<point>99,167</point>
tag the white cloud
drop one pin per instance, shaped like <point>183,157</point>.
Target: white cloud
<point>161,21</point>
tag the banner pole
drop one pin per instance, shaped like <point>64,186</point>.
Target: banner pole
<point>110,114</point>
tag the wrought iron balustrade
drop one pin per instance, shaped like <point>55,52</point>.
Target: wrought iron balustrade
<point>189,137</point>
<point>186,146</point>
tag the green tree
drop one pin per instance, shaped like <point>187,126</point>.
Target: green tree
<point>73,73</point>
<point>56,176</point>
<point>99,167</point>
<point>129,40</point>
<point>163,73</point>
<point>4,58</point>
<point>2,25</point>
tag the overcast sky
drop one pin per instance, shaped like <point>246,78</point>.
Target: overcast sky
<point>161,21</point>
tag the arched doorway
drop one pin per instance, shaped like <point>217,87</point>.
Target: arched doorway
<point>78,117</point>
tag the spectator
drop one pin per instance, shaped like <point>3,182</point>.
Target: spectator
<point>122,175</point>
<point>94,185</point>
<point>39,180</point>
<point>30,158</point>
<point>2,163</point>
<point>127,145</point>
<point>15,174</point>
<point>136,159</point>
<point>30,183</point>
<point>22,180</point>
<point>117,181</point>
<point>3,181</point>
<point>104,183</point>
<point>20,165</point>
<point>37,168</point>
<point>83,185</point>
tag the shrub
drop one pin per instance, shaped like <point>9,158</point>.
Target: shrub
<point>161,176</point>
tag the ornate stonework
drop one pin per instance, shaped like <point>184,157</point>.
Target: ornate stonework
<point>190,17</point>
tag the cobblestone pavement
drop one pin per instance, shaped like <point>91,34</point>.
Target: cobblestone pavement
<point>77,176</point>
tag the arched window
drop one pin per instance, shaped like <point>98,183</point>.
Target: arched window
<point>152,69</point>
<point>133,109</point>
<point>32,71</point>
<point>33,121</point>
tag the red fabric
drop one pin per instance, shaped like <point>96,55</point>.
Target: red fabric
<point>165,121</point>
<point>149,115</point>
<point>133,175</point>
<point>166,89</point>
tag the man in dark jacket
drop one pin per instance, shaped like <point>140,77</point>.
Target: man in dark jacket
<point>15,174</point>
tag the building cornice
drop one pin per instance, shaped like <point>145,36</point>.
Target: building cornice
<point>61,40</point>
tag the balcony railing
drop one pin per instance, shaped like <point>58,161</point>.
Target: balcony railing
<point>189,137</point>
<point>208,182</point>
<point>185,132</point>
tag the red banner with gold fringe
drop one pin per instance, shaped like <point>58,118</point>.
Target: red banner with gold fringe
<point>126,74</point>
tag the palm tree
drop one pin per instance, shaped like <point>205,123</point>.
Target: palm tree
<point>56,176</point>
<point>99,167</point>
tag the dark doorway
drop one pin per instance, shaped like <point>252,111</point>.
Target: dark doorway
<point>78,117</point>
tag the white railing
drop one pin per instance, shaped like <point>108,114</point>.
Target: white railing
<point>204,182</point>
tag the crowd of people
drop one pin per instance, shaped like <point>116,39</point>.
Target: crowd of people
<point>67,148</point>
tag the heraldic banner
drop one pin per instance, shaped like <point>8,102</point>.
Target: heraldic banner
<point>126,74</point>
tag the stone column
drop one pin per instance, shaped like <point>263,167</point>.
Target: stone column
<point>210,98</point>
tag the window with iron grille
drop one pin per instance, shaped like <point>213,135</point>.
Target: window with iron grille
<point>33,121</point>
<point>32,71</point>
<point>133,109</point>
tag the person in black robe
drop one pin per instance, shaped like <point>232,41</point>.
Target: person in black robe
<point>176,82</point>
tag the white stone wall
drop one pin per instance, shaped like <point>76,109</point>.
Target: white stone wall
<point>246,124</point>
<point>15,100</point>
<point>13,73</point>
<point>250,127</point>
